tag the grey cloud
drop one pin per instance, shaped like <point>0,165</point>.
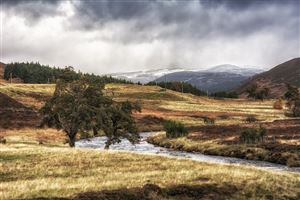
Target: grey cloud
<point>246,4</point>
<point>190,19</point>
<point>195,19</point>
<point>158,32</point>
<point>31,10</point>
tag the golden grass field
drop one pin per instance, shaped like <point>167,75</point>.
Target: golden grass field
<point>36,163</point>
<point>29,171</point>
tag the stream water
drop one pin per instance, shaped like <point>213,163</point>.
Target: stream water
<point>146,148</point>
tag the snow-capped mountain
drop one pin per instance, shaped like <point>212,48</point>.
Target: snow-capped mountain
<point>207,81</point>
<point>146,76</point>
<point>233,69</point>
<point>217,78</point>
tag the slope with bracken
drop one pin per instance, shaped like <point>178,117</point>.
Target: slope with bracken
<point>277,78</point>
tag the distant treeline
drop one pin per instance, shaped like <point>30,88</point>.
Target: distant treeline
<point>231,95</point>
<point>188,88</point>
<point>31,72</point>
<point>179,87</point>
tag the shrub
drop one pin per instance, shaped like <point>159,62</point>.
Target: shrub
<point>296,109</point>
<point>250,119</point>
<point>174,129</point>
<point>253,135</point>
<point>2,140</point>
<point>209,121</point>
<point>278,104</point>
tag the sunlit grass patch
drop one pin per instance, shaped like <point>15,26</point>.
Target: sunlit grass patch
<point>31,171</point>
<point>31,95</point>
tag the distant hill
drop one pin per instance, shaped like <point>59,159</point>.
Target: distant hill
<point>207,81</point>
<point>217,78</point>
<point>233,69</point>
<point>277,78</point>
<point>145,76</point>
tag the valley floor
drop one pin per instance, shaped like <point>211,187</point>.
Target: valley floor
<point>35,162</point>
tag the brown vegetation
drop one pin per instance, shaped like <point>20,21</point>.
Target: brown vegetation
<point>14,114</point>
<point>277,78</point>
<point>281,144</point>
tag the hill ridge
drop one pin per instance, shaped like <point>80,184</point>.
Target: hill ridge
<point>276,78</point>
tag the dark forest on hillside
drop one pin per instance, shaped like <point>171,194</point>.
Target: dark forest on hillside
<point>34,72</point>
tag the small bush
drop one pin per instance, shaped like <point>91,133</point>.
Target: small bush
<point>209,121</point>
<point>174,129</point>
<point>278,104</point>
<point>253,135</point>
<point>2,140</point>
<point>250,119</point>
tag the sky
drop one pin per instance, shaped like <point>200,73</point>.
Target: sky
<point>109,36</point>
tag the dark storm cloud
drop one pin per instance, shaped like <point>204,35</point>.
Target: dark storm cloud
<point>246,4</point>
<point>192,19</point>
<point>31,10</point>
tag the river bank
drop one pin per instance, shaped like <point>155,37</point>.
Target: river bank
<point>144,147</point>
<point>212,147</point>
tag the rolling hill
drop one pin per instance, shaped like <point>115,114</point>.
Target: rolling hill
<point>207,81</point>
<point>145,76</point>
<point>276,78</point>
<point>217,78</point>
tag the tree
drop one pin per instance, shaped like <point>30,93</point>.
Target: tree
<point>251,90</point>
<point>293,100</point>
<point>119,123</point>
<point>256,93</point>
<point>80,106</point>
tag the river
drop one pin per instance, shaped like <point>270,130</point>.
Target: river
<point>146,148</point>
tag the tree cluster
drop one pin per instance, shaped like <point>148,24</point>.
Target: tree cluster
<point>179,87</point>
<point>34,72</point>
<point>223,94</point>
<point>258,93</point>
<point>79,106</point>
<point>293,100</point>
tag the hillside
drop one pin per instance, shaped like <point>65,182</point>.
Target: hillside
<point>277,78</point>
<point>213,79</point>
<point>156,104</point>
<point>145,76</point>
<point>208,81</point>
<point>29,148</point>
<point>233,69</point>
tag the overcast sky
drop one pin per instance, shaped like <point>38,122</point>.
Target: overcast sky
<point>105,36</point>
